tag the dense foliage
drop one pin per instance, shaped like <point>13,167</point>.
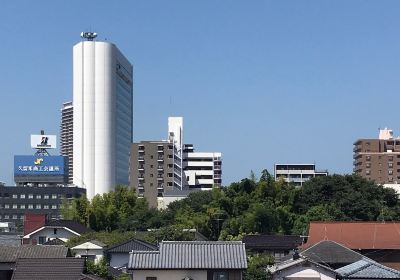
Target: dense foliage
<point>249,206</point>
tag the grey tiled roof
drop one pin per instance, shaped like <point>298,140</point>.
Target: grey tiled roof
<point>10,254</point>
<point>10,239</point>
<point>192,255</point>
<point>49,269</point>
<point>132,245</point>
<point>331,252</point>
<point>369,269</point>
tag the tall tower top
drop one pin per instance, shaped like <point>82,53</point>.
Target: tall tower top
<point>89,36</point>
<point>385,134</point>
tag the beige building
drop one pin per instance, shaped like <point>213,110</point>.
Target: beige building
<point>378,159</point>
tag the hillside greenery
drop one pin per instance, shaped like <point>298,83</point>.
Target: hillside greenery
<point>252,205</point>
<point>249,206</point>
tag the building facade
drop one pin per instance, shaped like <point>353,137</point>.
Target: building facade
<point>297,173</point>
<point>378,159</point>
<point>168,170</point>
<point>103,116</point>
<point>152,169</point>
<point>16,201</point>
<point>201,170</point>
<point>67,136</point>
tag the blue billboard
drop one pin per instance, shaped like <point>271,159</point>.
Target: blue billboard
<point>39,165</point>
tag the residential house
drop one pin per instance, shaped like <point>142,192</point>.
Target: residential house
<point>200,260</point>
<point>331,253</point>
<point>378,241</point>
<point>91,250</point>
<point>10,254</point>
<point>275,245</point>
<point>301,268</point>
<point>367,269</point>
<point>118,255</point>
<point>50,269</point>
<point>61,229</point>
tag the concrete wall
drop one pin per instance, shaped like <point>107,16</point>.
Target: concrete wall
<point>324,274</point>
<point>96,252</point>
<point>49,234</point>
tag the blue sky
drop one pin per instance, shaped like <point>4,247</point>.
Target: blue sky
<point>260,81</point>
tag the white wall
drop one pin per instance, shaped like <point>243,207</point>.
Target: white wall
<point>97,252</point>
<point>170,274</point>
<point>62,234</point>
<point>324,274</point>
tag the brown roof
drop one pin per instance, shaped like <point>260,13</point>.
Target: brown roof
<point>356,235</point>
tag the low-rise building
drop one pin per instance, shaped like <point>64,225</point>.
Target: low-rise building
<point>118,255</point>
<point>91,250</point>
<point>40,231</point>
<point>275,245</point>
<point>15,202</point>
<point>206,260</point>
<point>297,173</point>
<point>376,240</point>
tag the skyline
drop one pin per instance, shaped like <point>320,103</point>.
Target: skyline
<point>271,82</point>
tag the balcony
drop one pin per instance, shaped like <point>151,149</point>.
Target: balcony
<point>141,158</point>
<point>160,158</point>
<point>160,168</point>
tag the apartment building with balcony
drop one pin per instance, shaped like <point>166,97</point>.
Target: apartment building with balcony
<point>378,159</point>
<point>167,170</point>
<point>298,173</point>
<point>201,170</point>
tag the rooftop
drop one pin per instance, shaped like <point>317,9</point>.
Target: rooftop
<point>9,254</point>
<point>356,235</point>
<point>367,269</point>
<point>132,245</point>
<point>191,255</point>
<point>284,242</point>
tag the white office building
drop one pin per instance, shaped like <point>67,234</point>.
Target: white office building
<point>202,170</point>
<point>103,115</point>
<point>297,173</point>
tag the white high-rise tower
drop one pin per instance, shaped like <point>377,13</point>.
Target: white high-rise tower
<point>103,116</point>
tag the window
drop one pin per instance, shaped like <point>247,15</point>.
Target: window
<point>53,206</point>
<point>42,239</point>
<point>55,231</point>
<point>368,165</point>
<point>151,278</point>
<point>169,174</point>
<point>30,196</point>
<point>390,158</point>
<point>22,196</point>
<point>14,217</point>
<point>151,166</point>
<point>151,175</point>
<point>14,196</point>
<point>45,206</point>
<point>169,156</point>
<point>38,196</point>
<point>22,206</point>
<point>6,206</point>
<point>54,196</point>
<point>46,196</point>
<point>368,158</point>
<point>367,172</point>
<point>390,164</point>
<point>38,206</point>
<point>220,275</point>
<point>30,206</point>
<point>151,156</point>
<point>15,206</point>
<point>6,217</point>
<point>390,172</point>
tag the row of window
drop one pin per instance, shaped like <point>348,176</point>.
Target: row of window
<point>31,196</point>
<point>14,217</point>
<point>30,206</point>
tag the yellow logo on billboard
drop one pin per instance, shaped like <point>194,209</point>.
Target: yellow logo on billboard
<point>38,161</point>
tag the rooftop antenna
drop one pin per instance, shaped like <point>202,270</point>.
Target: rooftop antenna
<point>89,36</point>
